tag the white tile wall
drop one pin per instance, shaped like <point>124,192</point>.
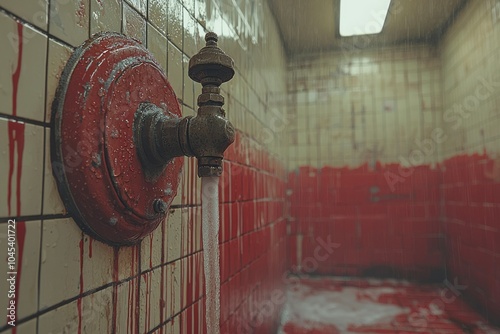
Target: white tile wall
<point>362,106</point>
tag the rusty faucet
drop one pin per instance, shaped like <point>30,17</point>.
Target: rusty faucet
<point>206,136</point>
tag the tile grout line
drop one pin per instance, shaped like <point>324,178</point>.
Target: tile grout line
<point>43,170</point>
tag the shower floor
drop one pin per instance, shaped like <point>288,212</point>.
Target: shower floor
<point>342,305</point>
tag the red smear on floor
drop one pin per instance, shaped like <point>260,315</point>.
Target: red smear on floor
<point>318,329</point>
<point>411,308</point>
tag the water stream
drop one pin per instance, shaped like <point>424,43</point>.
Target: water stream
<point>210,221</point>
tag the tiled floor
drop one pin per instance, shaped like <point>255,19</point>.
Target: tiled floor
<point>340,305</point>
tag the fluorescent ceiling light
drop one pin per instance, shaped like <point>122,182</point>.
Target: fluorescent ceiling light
<point>362,17</point>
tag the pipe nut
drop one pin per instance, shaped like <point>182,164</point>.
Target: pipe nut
<point>207,98</point>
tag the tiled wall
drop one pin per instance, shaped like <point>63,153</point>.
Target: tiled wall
<point>363,158</point>
<point>354,106</point>
<point>72,284</point>
<point>470,174</point>
<point>377,231</point>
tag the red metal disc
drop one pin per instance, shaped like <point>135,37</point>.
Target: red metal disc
<point>98,170</point>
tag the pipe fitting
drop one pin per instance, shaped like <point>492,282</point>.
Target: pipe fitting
<point>160,136</point>
<point>210,133</point>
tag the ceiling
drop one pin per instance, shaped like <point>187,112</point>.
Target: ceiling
<point>312,25</point>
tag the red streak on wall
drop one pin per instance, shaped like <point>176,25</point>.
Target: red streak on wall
<point>382,223</point>
<point>90,247</point>
<point>79,301</point>
<point>16,139</point>
<point>162,278</point>
<point>147,311</point>
<point>115,289</point>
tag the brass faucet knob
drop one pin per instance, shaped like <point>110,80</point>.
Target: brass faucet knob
<point>211,66</point>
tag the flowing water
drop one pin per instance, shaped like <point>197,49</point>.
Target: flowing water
<point>210,221</point>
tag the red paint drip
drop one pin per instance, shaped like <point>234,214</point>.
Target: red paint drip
<point>90,247</point>
<point>16,139</point>
<point>130,319</point>
<point>151,250</point>
<point>147,315</point>
<point>136,293</point>
<point>79,301</point>
<point>115,290</point>
<point>130,309</point>
<point>162,301</point>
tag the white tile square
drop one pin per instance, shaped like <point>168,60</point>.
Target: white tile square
<point>158,13</point>
<point>52,202</point>
<point>175,23</point>
<point>139,5</point>
<point>69,21</point>
<point>92,314</point>
<point>157,45</point>
<point>106,16</point>
<point>152,304</point>
<point>190,33</point>
<point>65,252</point>
<point>175,73</point>
<point>127,315</point>
<point>133,24</point>
<point>21,154</point>
<point>25,59</point>
<point>153,248</point>
<point>28,257</point>
<point>34,12</point>
<point>188,92</point>
<point>58,56</point>
<point>173,235</point>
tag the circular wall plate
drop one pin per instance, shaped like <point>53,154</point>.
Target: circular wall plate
<point>94,156</point>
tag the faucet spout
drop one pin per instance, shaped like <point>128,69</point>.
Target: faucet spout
<point>206,136</point>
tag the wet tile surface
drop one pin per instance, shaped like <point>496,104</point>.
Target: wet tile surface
<point>342,305</point>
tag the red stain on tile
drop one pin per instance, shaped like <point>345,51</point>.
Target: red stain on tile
<point>79,300</point>
<point>16,140</point>
<point>132,309</point>
<point>115,289</point>
<point>133,294</point>
<point>471,204</point>
<point>151,250</point>
<point>16,130</point>
<point>147,310</point>
<point>384,226</point>
<point>161,301</point>
<point>90,247</point>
